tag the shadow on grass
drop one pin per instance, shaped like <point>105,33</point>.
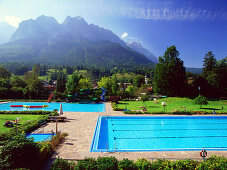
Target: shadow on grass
<point>154,106</point>
<point>122,103</point>
<point>211,109</point>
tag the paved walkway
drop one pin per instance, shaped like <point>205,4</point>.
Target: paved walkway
<point>80,127</point>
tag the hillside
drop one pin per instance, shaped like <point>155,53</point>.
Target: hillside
<point>138,48</point>
<point>6,32</point>
<point>74,42</point>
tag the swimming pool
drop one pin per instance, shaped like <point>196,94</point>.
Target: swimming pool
<point>68,107</point>
<point>171,133</point>
<point>41,137</point>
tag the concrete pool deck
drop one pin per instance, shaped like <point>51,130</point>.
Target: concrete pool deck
<point>80,127</point>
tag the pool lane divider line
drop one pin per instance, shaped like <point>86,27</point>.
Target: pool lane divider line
<point>175,137</point>
<point>171,124</point>
<point>165,129</point>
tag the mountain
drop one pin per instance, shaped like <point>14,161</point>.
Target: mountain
<point>6,32</point>
<point>74,42</point>
<point>138,47</point>
<point>194,70</point>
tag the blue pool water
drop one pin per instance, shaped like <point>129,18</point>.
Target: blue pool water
<point>131,134</point>
<point>41,137</point>
<point>68,107</point>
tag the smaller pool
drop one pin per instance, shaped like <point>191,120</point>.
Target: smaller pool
<point>41,137</point>
<point>67,107</point>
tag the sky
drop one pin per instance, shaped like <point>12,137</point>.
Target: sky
<point>193,26</point>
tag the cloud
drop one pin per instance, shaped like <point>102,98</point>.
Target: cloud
<point>12,20</point>
<point>168,14</point>
<point>125,34</point>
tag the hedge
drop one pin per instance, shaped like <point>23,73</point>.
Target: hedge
<point>37,112</point>
<point>212,163</point>
<point>115,107</point>
<point>23,152</point>
<point>170,113</point>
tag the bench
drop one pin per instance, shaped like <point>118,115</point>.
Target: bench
<point>58,118</point>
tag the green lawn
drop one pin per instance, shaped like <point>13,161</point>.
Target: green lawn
<point>11,117</point>
<point>175,103</point>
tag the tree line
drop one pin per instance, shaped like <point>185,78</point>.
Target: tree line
<point>168,77</point>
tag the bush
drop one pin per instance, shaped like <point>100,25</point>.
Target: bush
<point>115,107</point>
<point>107,163</point>
<point>132,112</point>
<point>37,112</point>
<point>126,164</point>
<point>200,100</point>
<point>185,164</point>
<point>87,163</point>
<point>62,164</point>
<point>143,164</point>
<point>161,164</point>
<point>214,162</point>
<point>20,152</point>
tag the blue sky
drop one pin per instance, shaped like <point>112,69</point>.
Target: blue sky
<point>194,26</point>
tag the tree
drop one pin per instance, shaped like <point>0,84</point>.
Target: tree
<point>131,90</point>
<point>18,82</point>
<point>4,73</point>
<point>61,82</point>
<point>72,85</point>
<point>115,86</point>
<point>170,75</point>
<point>107,84</point>
<point>201,100</point>
<point>214,72</point>
<point>85,83</point>
<point>138,80</point>
<point>209,64</point>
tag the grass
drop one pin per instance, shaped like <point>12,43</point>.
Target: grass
<point>84,73</point>
<point>47,77</point>
<point>11,117</point>
<point>175,104</point>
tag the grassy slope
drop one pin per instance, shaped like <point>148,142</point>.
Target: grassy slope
<point>174,103</point>
<point>11,117</point>
<point>50,71</point>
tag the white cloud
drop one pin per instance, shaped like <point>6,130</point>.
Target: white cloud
<point>125,34</point>
<point>12,20</point>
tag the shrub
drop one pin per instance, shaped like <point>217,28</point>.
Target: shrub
<point>87,163</point>
<point>185,164</point>
<point>118,109</point>
<point>20,152</point>
<point>126,164</point>
<point>29,126</point>
<point>62,164</point>
<point>107,163</point>
<point>132,112</point>
<point>143,164</point>
<point>115,107</point>
<point>161,164</point>
<point>214,162</point>
<point>200,100</point>
<point>37,112</point>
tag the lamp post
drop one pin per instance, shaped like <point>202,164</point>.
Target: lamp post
<point>56,120</point>
<point>16,123</point>
<point>199,90</point>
